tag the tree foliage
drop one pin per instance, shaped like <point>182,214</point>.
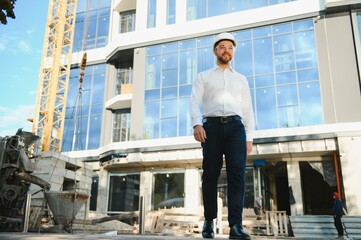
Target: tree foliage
<point>6,10</point>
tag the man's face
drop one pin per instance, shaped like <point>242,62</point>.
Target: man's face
<point>224,51</point>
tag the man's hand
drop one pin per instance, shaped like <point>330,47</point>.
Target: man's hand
<point>249,147</point>
<point>199,133</point>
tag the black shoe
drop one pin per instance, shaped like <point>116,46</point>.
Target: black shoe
<point>207,231</point>
<point>237,232</point>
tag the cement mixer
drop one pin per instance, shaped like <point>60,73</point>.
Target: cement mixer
<point>16,166</point>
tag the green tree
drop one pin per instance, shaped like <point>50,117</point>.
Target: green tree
<point>6,7</point>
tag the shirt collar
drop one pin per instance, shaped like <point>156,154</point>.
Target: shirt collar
<point>216,67</point>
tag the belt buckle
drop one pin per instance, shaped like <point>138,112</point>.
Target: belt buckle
<point>224,120</point>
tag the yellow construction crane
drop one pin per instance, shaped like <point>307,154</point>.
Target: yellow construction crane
<point>49,116</point>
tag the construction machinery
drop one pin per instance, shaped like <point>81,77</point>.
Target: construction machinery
<point>16,168</point>
<point>49,115</point>
<point>16,160</point>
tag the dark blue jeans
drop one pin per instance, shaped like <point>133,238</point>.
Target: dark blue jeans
<point>228,139</point>
<point>338,224</point>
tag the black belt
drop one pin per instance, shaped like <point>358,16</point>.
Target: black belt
<point>222,119</point>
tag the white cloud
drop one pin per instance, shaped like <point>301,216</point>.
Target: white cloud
<point>6,41</point>
<point>11,119</point>
<point>24,46</point>
<point>30,31</point>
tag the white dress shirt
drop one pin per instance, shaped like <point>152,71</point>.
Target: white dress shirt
<point>222,93</point>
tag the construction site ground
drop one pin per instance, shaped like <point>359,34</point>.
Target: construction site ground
<point>114,235</point>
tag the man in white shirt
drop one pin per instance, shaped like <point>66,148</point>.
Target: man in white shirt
<point>225,127</point>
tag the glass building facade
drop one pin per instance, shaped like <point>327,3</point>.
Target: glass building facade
<point>136,89</point>
<point>279,61</point>
<point>197,9</point>
<point>91,24</point>
<point>84,109</point>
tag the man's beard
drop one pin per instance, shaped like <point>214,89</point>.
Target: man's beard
<point>225,58</point>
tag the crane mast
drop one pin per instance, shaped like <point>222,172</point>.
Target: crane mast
<point>49,115</point>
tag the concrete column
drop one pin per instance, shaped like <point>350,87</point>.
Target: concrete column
<point>145,189</point>
<point>107,118</point>
<point>136,128</point>
<point>294,181</point>
<point>350,165</point>
<point>142,13</point>
<point>335,48</point>
<point>161,13</point>
<point>114,25</point>
<point>192,192</point>
<point>181,12</point>
<point>102,200</point>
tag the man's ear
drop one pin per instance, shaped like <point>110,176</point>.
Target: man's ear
<point>215,51</point>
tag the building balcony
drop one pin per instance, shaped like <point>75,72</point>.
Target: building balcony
<point>121,101</point>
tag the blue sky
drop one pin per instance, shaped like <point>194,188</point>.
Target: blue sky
<point>21,43</point>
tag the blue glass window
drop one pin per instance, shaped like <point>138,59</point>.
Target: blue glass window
<point>236,5</point>
<point>152,78</point>
<point>266,108</point>
<point>307,75</point>
<point>215,8</point>
<point>171,11</point>
<point>282,28</point>
<point>151,95</point>
<point>286,77</point>
<point>279,61</point>
<point>183,112</point>
<point>168,93</point>
<point>84,110</point>
<point>168,127</point>
<point>121,125</point>
<point>151,121</point>
<point>263,56</point>
<point>305,49</point>
<point>244,55</point>
<point>310,103</point>
<point>197,9</point>
<point>152,13</point>
<point>187,67</point>
<point>127,21</point>
<point>287,101</point>
<point>205,59</point>
<point>264,80</point>
<point>92,24</point>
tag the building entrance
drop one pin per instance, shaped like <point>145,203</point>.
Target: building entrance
<point>276,191</point>
<point>318,183</point>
